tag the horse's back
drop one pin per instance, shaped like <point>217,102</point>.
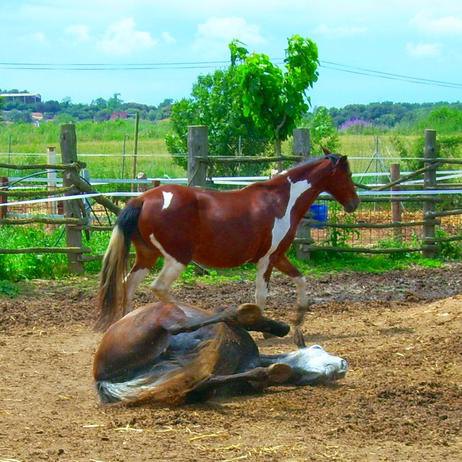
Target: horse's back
<point>135,340</point>
<point>139,359</point>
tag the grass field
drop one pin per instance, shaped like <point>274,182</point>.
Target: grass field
<point>102,145</point>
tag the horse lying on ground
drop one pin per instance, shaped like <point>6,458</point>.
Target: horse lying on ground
<point>175,354</point>
<point>219,229</point>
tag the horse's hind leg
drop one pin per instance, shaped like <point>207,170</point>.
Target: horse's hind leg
<point>170,271</point>
<point>168,274</point>
<point>146,258</point>
<point>245,315</point>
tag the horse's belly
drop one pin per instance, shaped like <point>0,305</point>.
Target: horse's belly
<point>227,252</point>
<point>221,261</point>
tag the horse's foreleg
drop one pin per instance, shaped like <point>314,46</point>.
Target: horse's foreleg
<point>259,378</point>
<point>264,269</point>
<point>283,264</point>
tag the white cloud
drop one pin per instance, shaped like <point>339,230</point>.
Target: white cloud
<point>444,25</point>
<point>122,38</point>
<point>39,37</point>
<point>35,37</point>
<point>339,31</point>
<point>168,38</point>
<point>423,50</point>
<point>223,30</point>
<point>79,32</point>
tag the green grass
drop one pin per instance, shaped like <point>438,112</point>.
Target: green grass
<point>54,266</point>
<point>108,138</point>
<point>94,138</point>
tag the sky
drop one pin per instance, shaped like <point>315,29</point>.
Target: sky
<point>170,43</point>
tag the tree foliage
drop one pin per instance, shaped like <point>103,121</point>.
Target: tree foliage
<point>250,104</point>
<point>406,116</point>
<point>98,110</point>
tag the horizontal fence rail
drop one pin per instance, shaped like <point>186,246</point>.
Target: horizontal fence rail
<point>70,200</point>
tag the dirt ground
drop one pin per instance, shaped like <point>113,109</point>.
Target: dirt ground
<point>400,401</point>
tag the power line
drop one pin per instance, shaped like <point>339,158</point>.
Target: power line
<point>365,69</point>
<point>392,77</point>
<point>191,65</point>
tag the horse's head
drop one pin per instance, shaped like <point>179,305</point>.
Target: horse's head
<point>339,182</point>
<point>314,364</point>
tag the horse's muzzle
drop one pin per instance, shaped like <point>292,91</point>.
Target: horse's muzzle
<point>352,205</point>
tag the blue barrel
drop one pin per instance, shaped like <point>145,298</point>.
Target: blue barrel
<point>319,212</point>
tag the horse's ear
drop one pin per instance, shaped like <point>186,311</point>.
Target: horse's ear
<point>299,339</point>
<point>325,150</point>
<point>343,160</point>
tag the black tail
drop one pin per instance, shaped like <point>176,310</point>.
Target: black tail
<point>112,292</point>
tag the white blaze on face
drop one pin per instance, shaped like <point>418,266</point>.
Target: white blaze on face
<point>167,199</point>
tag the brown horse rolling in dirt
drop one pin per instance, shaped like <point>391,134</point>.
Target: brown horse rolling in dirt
<point>217,229</point>
<point>174,354</point>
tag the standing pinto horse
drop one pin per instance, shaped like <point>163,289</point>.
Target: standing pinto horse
<point>218,229</point>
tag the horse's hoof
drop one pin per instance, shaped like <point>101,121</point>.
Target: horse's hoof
<point>267,335</point>
<point>279,372</point>
<point>299,340</point>
<point>248,314</point>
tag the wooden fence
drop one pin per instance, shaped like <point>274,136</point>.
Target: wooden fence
<point>76,219</point>
<point>199,161</point>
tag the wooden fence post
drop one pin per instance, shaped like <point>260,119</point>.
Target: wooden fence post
<point>142,187</point>
<point>302,147</point>
<point>301,142</point>
<point>68,142</point>
<point>135,148</point>
<point>429,228</point>
<point>52,183</point>
<point>3,197</point>
<point>396,209</point>
<point>198,149</point>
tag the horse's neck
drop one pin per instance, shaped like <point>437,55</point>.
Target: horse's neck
<point>286,358</point>
<point>302,193</point>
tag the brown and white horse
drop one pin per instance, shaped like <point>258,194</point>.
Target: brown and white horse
<point>173,354</point>
<point>217,229</point>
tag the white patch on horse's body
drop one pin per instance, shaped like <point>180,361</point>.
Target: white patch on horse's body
<point>280,229</point>
<point>169,273</point>
<point>281,225</point>
<point>167,199</point>
<point>132,281</point>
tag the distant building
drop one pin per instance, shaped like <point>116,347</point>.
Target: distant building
<point>26,98</point>
<point>119,115</point>
<point>37,116</point>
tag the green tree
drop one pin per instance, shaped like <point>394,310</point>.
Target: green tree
<point>323,131</point>
<point>274,99</point>
<point>248,105</point>
<point>114,102</point>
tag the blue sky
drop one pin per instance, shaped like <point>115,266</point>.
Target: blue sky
<point>418,38</point>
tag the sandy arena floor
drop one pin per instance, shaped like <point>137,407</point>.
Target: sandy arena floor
<point>401,400</point>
